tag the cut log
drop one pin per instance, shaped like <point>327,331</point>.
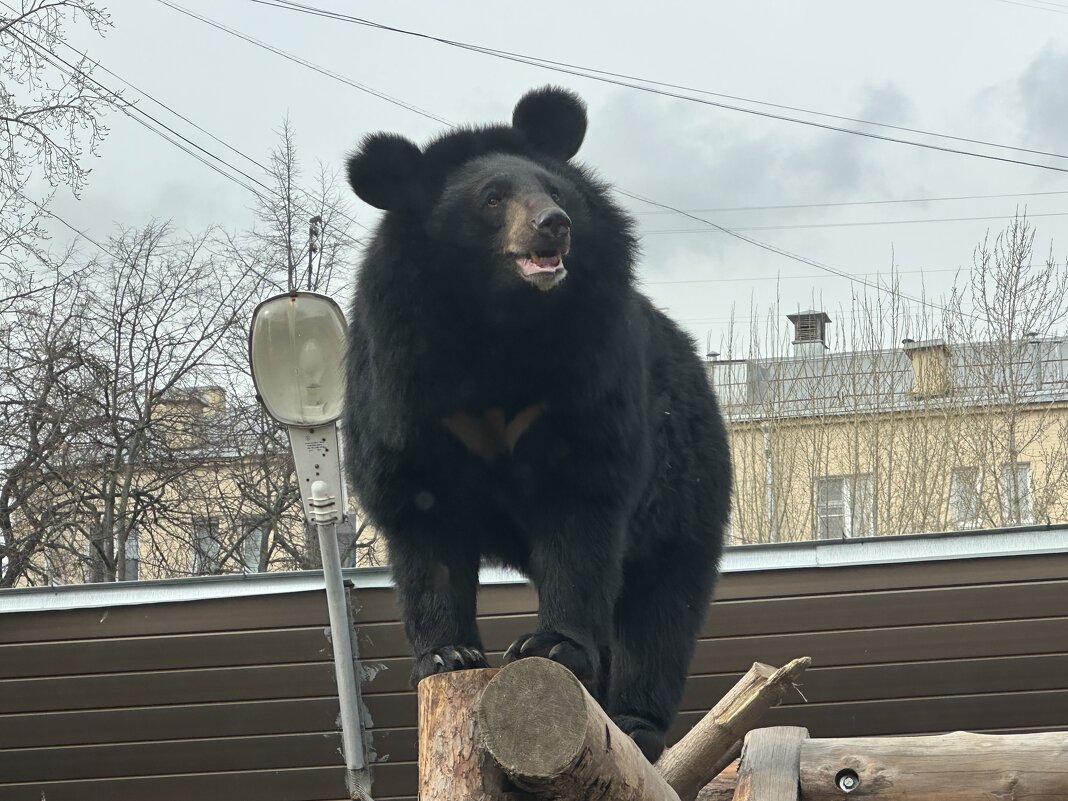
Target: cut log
<point>770,766</point>
<point>699,756</point>
<point>948,767</point>
<point>451,762</point>
<point>551,738</point>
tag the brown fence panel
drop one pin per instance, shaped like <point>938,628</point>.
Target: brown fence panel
<point>234,698</point>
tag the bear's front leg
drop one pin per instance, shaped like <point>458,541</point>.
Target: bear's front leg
<point>577,569</point>
<point>437,587</point>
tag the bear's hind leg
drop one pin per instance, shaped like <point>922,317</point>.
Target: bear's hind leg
<point>657,618</point>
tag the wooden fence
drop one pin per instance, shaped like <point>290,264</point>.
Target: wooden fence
<point>233,698</point>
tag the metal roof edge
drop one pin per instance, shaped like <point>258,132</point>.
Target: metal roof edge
<point>1025,540</point>
<point>1018,541</point>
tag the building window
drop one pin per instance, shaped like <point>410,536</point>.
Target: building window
<point>131,556</point>
<point>252,546</point>
<point>1016,494</point>
<point>844,506</point>
<point>965,492</point>
<point>206,547</point>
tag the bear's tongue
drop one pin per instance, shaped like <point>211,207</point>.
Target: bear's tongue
<point>534,264</point>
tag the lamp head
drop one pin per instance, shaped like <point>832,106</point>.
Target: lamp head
<point>296,349</point>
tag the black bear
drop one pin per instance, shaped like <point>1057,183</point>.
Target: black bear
<point>512,397</point>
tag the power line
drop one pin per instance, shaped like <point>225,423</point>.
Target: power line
<point>1055,10</point>
<point>619,79</point>
<point>804,226</point>
<point>44,210</point>
<point>893,273</point>
<point>305,63</point>
<point>552,64</point>
<point>127,110</point>
<point>145,119</point>
<point>730,232</point>
<point>814,276</point>
<point>222,142</point>
<point>789,206</point>
<point>318,12</point>
<point>782,252</point>
<point>429,115</point>
<point>175,138</point>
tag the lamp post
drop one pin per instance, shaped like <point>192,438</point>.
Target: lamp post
<point>296,344</point>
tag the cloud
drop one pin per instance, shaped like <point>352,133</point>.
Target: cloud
<point>887,103</point>
<point>698,157</point>
<point>1043,91</point>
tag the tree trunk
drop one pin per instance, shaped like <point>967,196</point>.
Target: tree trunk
<point>452,764</point>
<point>551,738</point>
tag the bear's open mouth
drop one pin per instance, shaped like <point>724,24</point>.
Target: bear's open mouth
<point>542,268</point>
<point>540,262</point>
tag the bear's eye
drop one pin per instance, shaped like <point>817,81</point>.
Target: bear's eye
<point>493,200</point>
<point>555,196</point>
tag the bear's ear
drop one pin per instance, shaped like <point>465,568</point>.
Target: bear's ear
<point>553,120</point>
<point>385,170</point>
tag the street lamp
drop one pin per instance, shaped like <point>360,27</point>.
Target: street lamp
<point>296,347</point>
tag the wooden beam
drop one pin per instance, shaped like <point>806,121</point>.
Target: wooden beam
<point>948,767</point>
<point>770,766</point>
<point>551,738</point>
<point>722,787</point>
<point>451,762</point>
<point>699,756</point>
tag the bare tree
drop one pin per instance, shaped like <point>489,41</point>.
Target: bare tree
<point>42,367</point>
<point>301,239</point>
<point>302,230</point>
<point>1014,303</point>
<point>51,113</point>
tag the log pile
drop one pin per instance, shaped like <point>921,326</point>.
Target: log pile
<point>530,731</point>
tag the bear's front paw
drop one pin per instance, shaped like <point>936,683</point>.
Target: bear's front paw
<point>579,659</point>
<point>648,738</point>
<point>445,659</point>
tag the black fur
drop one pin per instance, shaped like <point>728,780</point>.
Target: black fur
<point>615,499</point>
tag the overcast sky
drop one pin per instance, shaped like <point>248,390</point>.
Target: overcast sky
<point>991,70</point>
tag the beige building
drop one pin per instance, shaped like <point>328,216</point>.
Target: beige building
<point>930,436</point>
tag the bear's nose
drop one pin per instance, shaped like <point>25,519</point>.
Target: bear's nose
<point>552,221</point>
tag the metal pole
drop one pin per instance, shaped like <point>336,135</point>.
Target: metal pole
<point>344,653</point>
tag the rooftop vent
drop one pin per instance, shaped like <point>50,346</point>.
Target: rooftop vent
<point>810,332</point>
<point>930,367</point>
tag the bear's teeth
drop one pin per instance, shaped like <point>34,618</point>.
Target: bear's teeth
<point>533,264</point>
<point>547,261</point>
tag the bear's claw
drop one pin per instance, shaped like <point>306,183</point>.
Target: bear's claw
<point>560,648</point>
<point>445,659</point>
